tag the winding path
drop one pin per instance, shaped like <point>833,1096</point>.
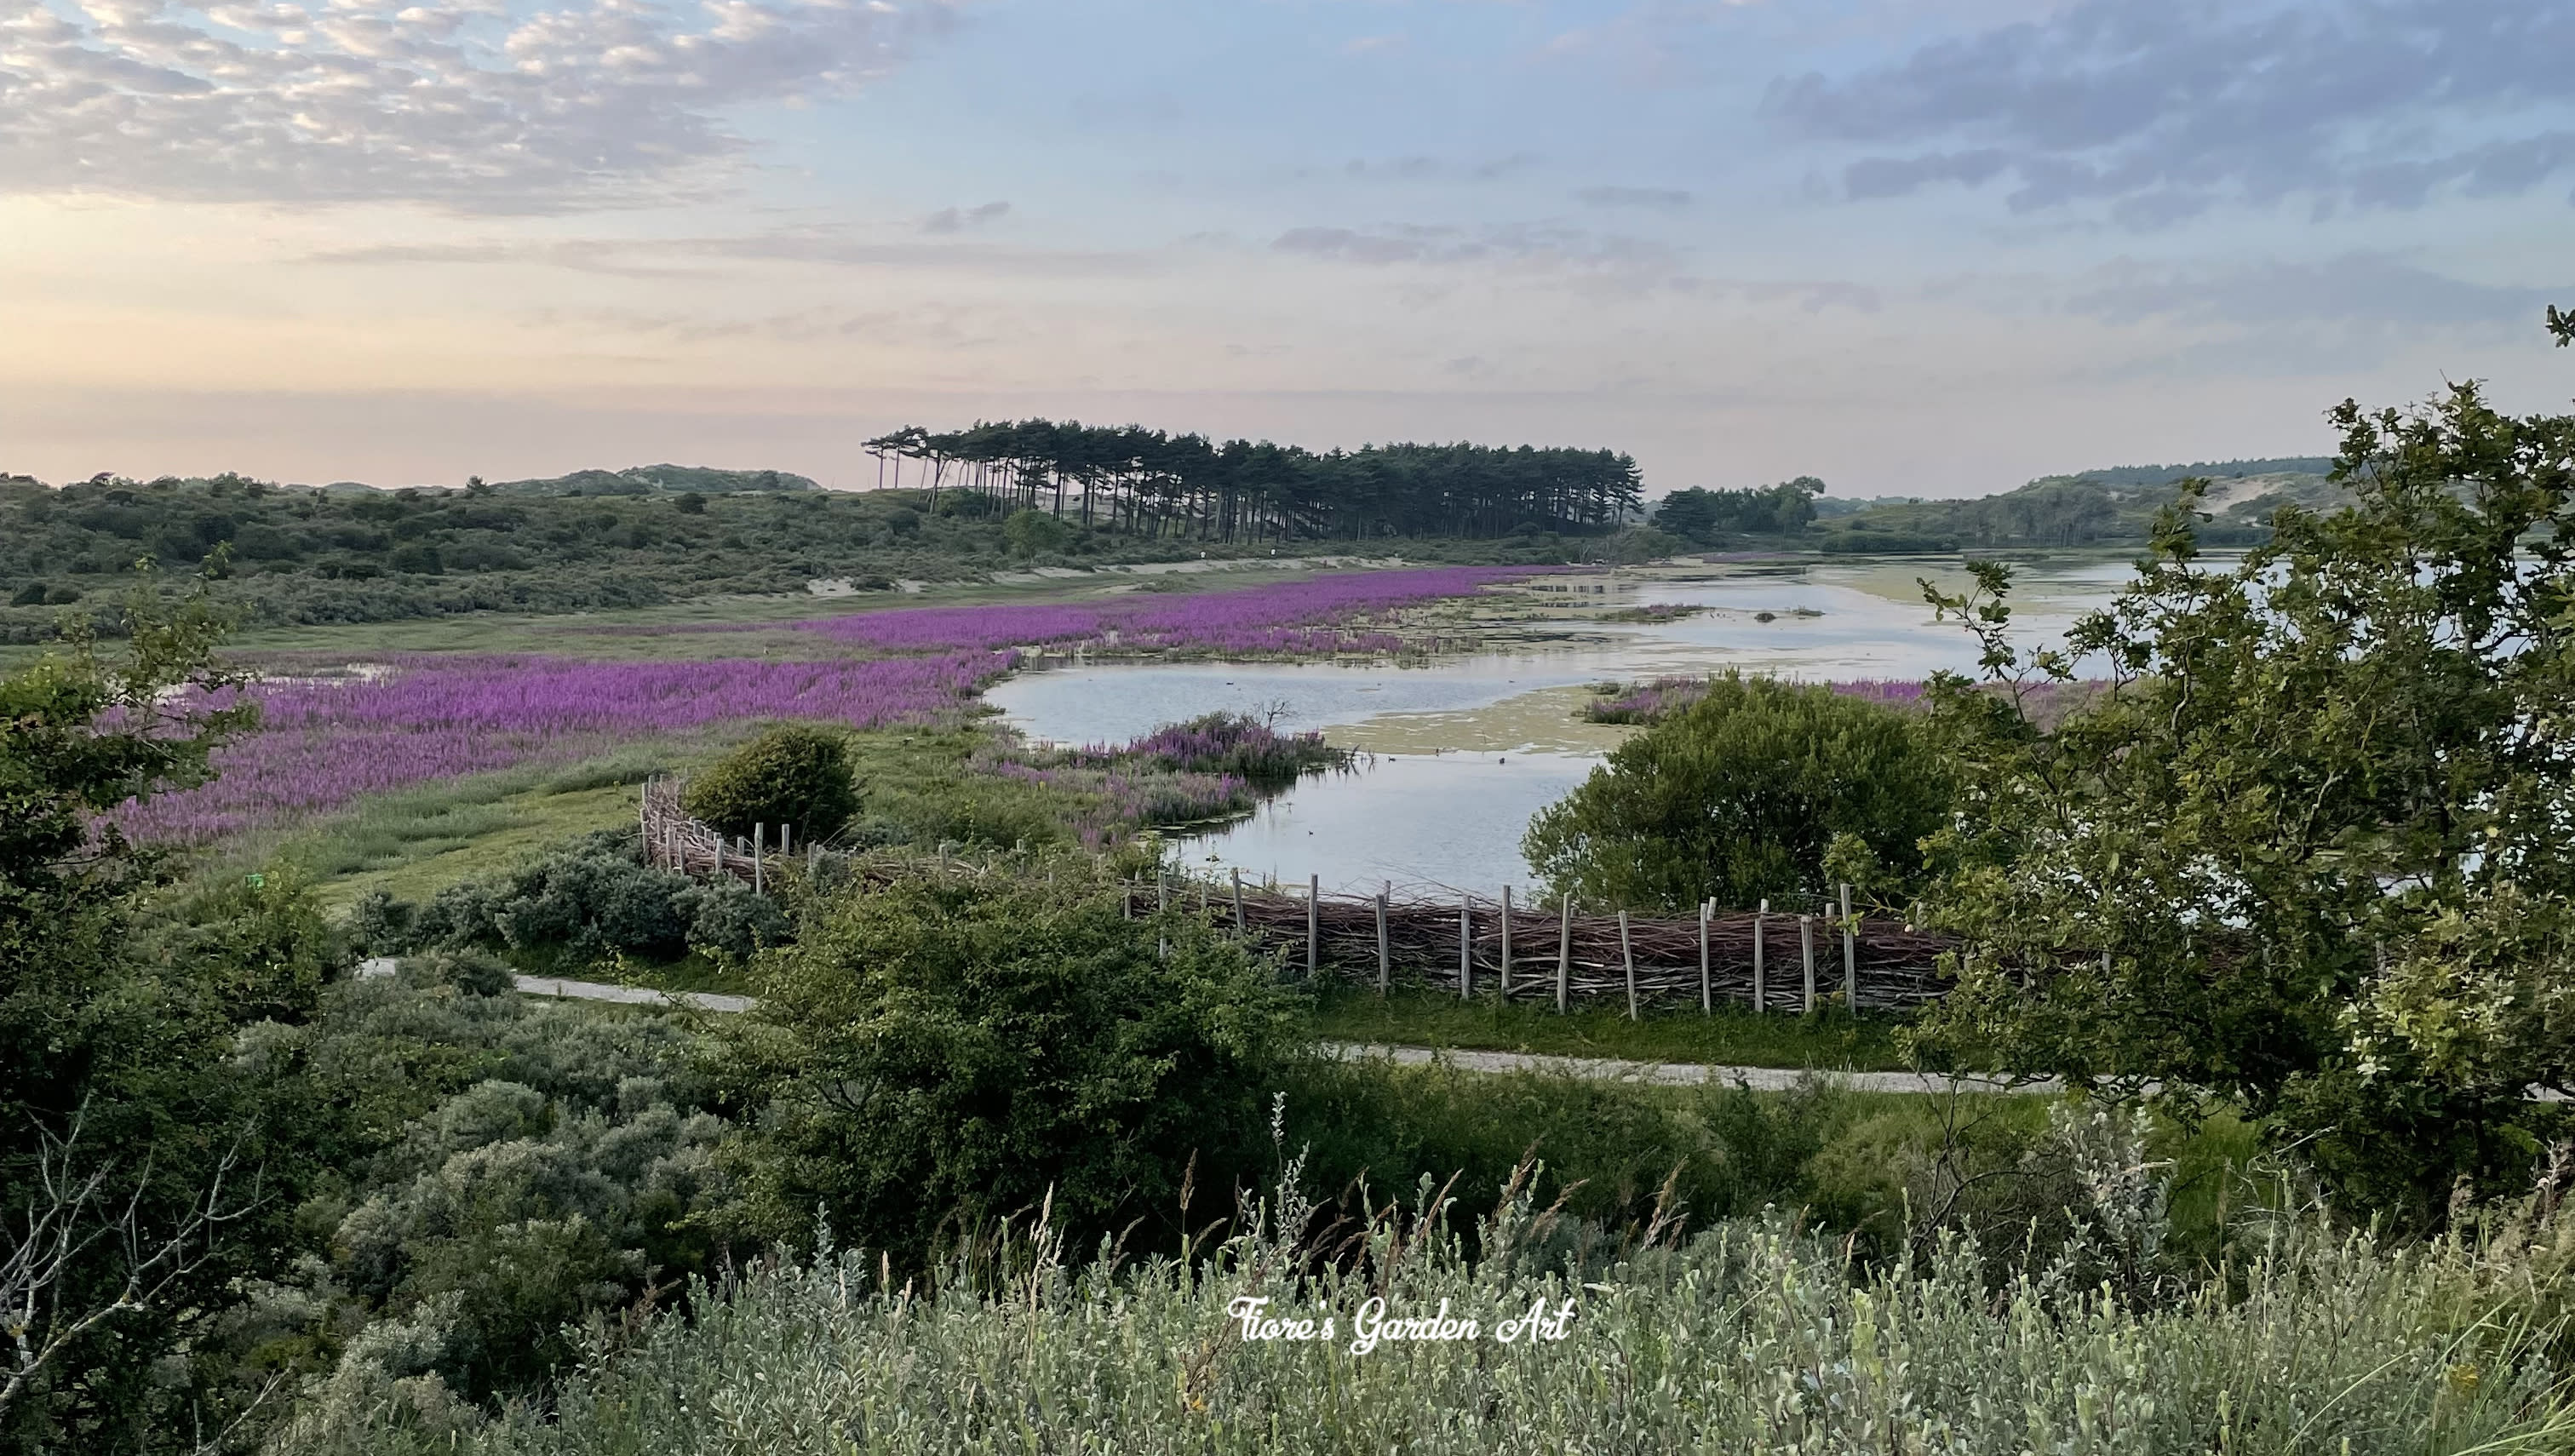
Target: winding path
<point>1598,1069</point>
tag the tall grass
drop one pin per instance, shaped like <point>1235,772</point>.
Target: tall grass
<point>1752,1337</point>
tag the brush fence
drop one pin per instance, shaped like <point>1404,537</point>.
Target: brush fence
<point>1557,953</point>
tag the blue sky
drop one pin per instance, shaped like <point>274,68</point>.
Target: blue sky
<point>1912,246</point>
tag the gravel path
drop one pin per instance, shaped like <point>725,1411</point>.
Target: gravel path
<point>593,991</point>
<point>1598,1069</point>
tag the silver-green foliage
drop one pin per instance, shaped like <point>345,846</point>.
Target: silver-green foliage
<point>1752,1337</point>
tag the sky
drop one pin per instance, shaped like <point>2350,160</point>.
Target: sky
<point>1916,247</point>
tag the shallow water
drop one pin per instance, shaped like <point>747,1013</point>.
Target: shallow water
<point>1460,752</point>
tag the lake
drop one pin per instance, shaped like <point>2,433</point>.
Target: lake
<point>1458,753</point>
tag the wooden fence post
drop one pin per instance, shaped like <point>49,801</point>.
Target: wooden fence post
<point>1507,943</point>
<point>1564,955</point>
<point>1465,947</point>
<point>1628,953</point>
<point>1706,997</point>
<point>1385,957</point>
<point>1760,935</point>
<point>1313,923</point>
<point>813,861</point>
<point>1162,889</point>
<point>1238,900</point>
<point>784,834</point>
<point>719,869</point>
<point>1850,956</point>
<point>1127,899</point>
<point>1806,938</point>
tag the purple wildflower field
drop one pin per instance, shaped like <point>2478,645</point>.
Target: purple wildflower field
<point>1297,618</point>
<point>324,743</point>
<point>327,742</point>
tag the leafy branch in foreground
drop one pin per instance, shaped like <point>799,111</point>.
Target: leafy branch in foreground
<point>80,733</point>
<point>148,1172</point>
<point>2302,842</point>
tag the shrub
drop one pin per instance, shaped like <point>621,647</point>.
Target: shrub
<point>727,918</point>
<point>534,1164</point>
<point>1230,742</point>
<point>1743,796</point>
<point>962,1045</point>
<point>794,776</point>
<point>1033,533</point>
<point>590,899</point>
<point>474,972</point>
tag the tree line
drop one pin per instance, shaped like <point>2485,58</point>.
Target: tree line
<point>1148,483</point>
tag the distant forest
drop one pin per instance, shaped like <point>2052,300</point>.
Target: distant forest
<point>586,542</point>
<point>963,505</point>
<point>2114,507</point>
<point>1147,483</point>
<point>2099,507</point>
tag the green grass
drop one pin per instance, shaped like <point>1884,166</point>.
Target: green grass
<point>1731,1035</point>
<point>1853,1163</point>
<point>414,843</point>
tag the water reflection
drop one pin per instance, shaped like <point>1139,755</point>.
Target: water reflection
<point>1454,818</point>
<point>1425,824</point>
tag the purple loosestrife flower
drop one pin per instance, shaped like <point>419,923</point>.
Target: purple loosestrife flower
<point>1288,617</point>
<point>325,743</point>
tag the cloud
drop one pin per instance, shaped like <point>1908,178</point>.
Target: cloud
<point>1529,247</point>
<point>818,246</point>
<point>455,103</point>
<point>1667,198</point>
<point>1369,44</point>
<point>1437,169</point>
<point>2360,290</point>
<point>2158,110</point>
<point>953,220</point>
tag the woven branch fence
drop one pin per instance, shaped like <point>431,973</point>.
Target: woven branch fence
<point>1557,953</point>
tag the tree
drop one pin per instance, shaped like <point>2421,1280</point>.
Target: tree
<point>2304,848</point>
<point>145,1173</point>
<point>1744,796</point>
<point>964,1046</point>
<point>794,775</point>
<point>1704,516</point>
<point>1031,532</point>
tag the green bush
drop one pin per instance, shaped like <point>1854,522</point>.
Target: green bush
<point>794,774</point>
<point>532,1164</point>
<point>953,1044</point>
<point>1034,533</point>
<point>591,899</point>
<point>1759,789</point>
